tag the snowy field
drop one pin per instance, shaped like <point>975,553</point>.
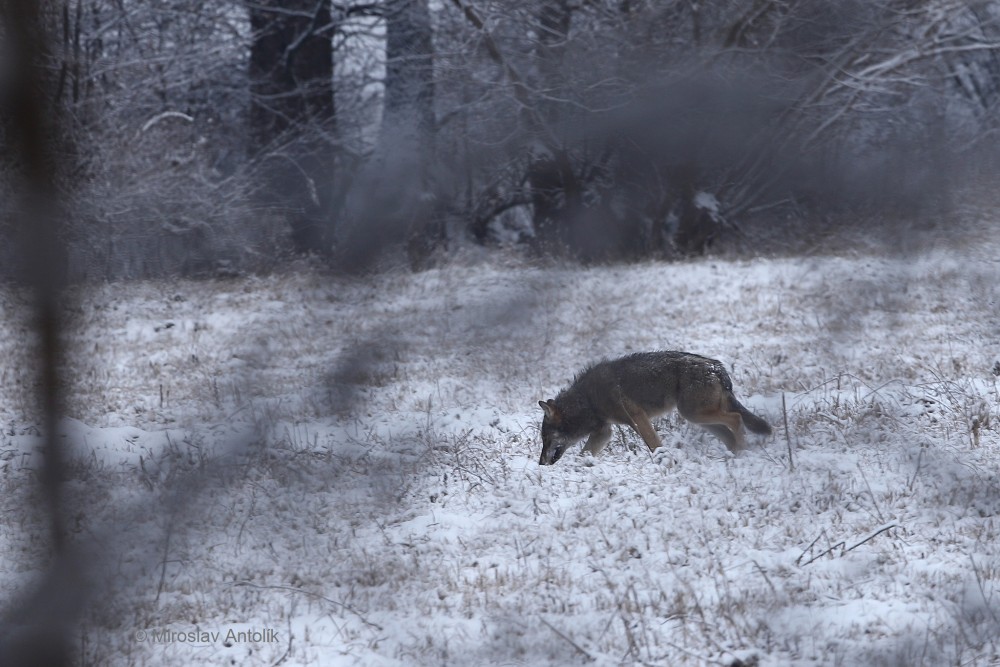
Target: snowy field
<point>346,473</point>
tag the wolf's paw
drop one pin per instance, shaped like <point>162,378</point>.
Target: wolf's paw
<point>664,457</point>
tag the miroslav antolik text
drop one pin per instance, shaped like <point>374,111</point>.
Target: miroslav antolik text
<point>228,638</point>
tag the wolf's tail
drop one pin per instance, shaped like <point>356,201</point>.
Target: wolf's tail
<point>752,421</point>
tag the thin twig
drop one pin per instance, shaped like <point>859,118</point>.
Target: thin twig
<point>763,573</point>
<point>569,641</point>
<point>317,596</point>
<point>788,439</point>
<point>878,511</point>
<point>823,553</point>
<point>166,552</point>
<point>982,591</point>
<point>872,536</point>
<point>809,548</point>
<point>843,544</point>
<point>288,650</point>
<point>910,483</point>
<point>162,116</point>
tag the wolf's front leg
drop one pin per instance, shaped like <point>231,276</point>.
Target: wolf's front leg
<point>598,440</point>
<point>642,425</point>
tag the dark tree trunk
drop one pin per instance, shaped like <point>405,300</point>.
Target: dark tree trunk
<point>292,114</point>
<point>556,198</point>
<point>555,189</point>
<point>554,18</point>
<point>409,72</point>
<point>392,203</point>
<point>408,126</point>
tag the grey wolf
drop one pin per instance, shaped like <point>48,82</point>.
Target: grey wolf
<point>637,387</point>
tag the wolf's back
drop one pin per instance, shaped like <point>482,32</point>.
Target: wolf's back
<point>691,369</point>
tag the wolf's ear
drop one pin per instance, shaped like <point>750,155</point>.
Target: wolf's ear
<point>550,409</point>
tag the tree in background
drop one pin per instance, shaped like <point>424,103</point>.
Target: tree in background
<point>697,118</point>
<point>292,114</point>
<point>398,202</point>
<point>208,137</point>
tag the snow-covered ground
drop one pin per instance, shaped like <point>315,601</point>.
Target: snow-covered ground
<point>346,471</point>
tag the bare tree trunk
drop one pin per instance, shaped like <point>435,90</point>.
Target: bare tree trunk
<point>292,113</point>
<point>409,72</point>
<point>408,124</point>
<point>555,191</point>
<point>392,201</point>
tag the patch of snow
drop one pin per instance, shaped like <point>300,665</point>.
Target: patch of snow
<point>353,466</point>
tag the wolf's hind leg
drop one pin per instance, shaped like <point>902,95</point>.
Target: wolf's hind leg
<point>710,410</point>
<point>724,434</point>
<point>598,440</point>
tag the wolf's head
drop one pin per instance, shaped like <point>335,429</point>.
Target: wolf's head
<point>555,440</point>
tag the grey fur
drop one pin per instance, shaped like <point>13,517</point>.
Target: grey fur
<point>632,389</point>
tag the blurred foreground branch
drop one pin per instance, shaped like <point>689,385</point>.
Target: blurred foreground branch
<point>36,630</point>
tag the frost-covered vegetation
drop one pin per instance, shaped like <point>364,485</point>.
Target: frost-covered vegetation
<point>352,466</point>
<point>282,448</point>
<point>195,139</point>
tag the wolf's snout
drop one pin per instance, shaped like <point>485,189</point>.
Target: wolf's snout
<point>550,455</point>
